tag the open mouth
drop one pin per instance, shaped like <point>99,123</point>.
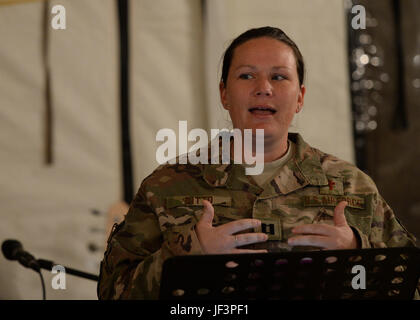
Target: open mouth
<point>262,110</point>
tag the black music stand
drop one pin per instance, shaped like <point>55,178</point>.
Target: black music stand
<point>390,273</point>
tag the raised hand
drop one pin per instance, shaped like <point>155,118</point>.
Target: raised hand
<point>222,239</point>
<point>338,236</point>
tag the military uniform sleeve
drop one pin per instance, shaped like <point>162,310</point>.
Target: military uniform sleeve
<point>137,248</point>
<point>386,230</point>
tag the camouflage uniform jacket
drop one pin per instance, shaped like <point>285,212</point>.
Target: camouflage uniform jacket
<point>161,219</point>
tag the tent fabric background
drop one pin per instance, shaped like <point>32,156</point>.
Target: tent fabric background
<point>175,55</point>
<point>48,208</point>
<point>167,75</point>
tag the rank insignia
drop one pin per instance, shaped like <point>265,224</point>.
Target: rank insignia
<point>335,187</point>
<point>272,228</point>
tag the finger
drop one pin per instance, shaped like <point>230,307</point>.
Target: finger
<point>239,225</point>
<point>248,238</point>
<point>249,251</point>
<point>315,229</point>
<point>208,213</point>
<point>339,217</point>
<point>316,241</point>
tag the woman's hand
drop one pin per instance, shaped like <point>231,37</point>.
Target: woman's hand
<point>338,236</point>
<point>221,239</point>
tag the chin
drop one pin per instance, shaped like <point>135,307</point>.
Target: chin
<point>268,129</point>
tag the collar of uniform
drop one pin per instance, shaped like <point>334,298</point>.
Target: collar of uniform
<point>230,175</point>
<point>307,159</point>
<point>303,169</point>
<point>216,175</point>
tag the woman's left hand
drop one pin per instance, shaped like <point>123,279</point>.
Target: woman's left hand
<point>338,236</point>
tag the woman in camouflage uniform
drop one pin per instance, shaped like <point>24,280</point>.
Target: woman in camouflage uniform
<point>305,198</point>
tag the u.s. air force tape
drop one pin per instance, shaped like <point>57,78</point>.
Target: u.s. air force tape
<point>332,201</point>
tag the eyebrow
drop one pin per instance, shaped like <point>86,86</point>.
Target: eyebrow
<point>254,67</point>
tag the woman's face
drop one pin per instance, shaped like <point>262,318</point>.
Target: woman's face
<point>262,89</point>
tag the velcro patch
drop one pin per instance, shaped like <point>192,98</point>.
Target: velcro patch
<point>189,200</point>
<point>332,201</point>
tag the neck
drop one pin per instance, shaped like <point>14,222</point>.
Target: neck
<point>274,148</point>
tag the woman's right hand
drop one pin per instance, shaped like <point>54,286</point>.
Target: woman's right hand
<point>222,239</point>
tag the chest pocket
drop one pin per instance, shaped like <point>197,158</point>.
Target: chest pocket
<point>181,208</point>
<point>295,215</point>
<point>358,213</point>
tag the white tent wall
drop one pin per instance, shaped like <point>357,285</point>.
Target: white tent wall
<point>172,78</point>
<point>318,27</point>
<point>48,208</point>
<point>167,74</point>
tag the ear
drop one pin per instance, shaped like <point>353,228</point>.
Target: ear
<point>223,98</point>
<point>300,98</point>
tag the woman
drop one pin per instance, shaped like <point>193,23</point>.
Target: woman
<point>303,199</point>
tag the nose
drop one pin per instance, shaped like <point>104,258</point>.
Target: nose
<point>263,88</point>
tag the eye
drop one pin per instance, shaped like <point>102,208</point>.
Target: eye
<point>245,76</point>
<point>278,77</point>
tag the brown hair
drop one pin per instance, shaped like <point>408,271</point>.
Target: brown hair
<point>270,32</point>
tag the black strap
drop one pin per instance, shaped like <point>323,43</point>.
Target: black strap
<point>123,15</point>
<point>48,99</point>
